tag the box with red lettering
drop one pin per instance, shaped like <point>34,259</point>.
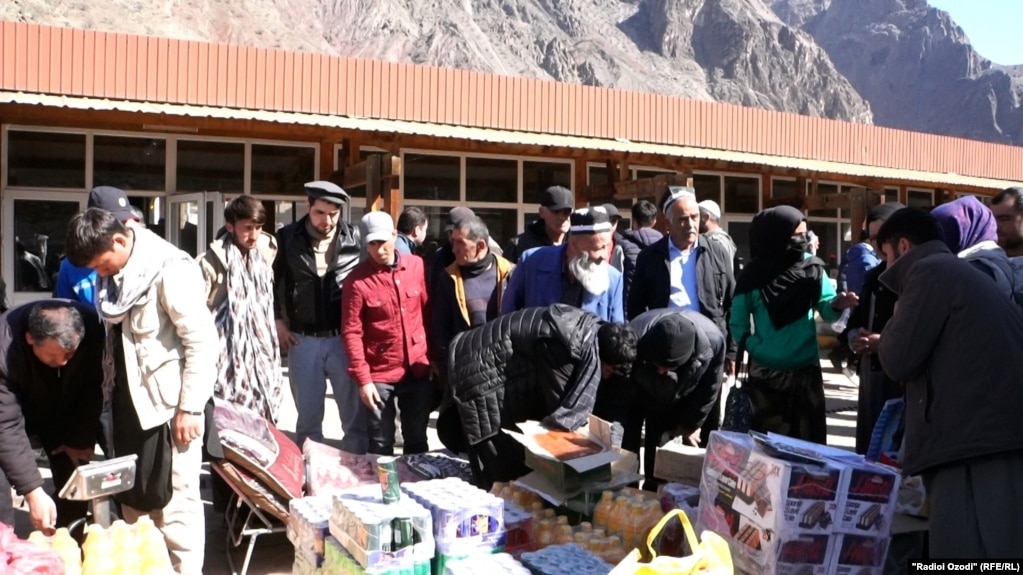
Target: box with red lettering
<point>859,554</point>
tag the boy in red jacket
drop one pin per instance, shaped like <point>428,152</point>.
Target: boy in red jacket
<point>382,308</point>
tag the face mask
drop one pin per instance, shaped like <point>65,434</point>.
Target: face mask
<point>798,244</point>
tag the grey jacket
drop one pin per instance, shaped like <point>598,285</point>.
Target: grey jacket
<point>947,343</point>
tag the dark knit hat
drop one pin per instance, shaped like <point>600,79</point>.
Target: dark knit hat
<point>670,342</point>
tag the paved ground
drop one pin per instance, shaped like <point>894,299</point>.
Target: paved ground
<point>274,554</point>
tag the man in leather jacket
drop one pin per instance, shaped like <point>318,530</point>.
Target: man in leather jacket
<point>314,256</point>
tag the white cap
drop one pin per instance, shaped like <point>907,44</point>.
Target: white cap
<point>711,207</point>
<point>379,227</point>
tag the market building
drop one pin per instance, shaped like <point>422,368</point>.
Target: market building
<point>184,126</point>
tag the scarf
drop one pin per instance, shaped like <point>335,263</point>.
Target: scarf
<point>118,294</point>
<point>476,268</point>
<point>965,223</point>
<point>249,367</point>
<point>788,281</point>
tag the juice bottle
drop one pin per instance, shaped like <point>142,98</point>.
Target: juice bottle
<point>497,488</point>
<point>633,524</point>
<point>548,514</point>
<point>598,533</point>
<point>653,516</point>
<point>562,520</point>
<point>545,534</point>
<point>603,509</point>
<point>615,551</point>
<point>585,527</point>
<point>564,534</point>
<point>616,520</point>
<point>597,546</point>
<point>581,539</point>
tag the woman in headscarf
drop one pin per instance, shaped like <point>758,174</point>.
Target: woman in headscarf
<point>780,288</point>
<point>970,230</point>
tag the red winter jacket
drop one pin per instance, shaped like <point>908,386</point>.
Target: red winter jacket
<point>382,310</point>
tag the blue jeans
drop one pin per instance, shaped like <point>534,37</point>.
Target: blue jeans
<point>311,362</point>
<point>415,399</point>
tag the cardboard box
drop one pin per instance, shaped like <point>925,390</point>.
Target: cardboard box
<point>570,473</point>
<point>777,515</point>
<point>859,554</point>
<point>870,496</point>
<point>679,463</point>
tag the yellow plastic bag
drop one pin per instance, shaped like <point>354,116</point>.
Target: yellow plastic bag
<point>710,556</point>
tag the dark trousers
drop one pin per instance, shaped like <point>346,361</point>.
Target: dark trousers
<point>789,402</point>
<point>500,458</point>
<point>414,397</point>
<point>61,467</point>
<point>976,511</point>
<point>658,424</point>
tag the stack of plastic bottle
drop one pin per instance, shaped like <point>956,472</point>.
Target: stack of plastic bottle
<point>498,564</point>
<point>65,545</point>
<point>366,528</point>
<point>567,559</point>
<point>628,518</point>
<point>124,549</point>
<point>466,520</point>
<point>308,527</point>
<point>518,523</point>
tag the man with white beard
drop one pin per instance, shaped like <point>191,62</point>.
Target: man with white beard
<point>574,273</point>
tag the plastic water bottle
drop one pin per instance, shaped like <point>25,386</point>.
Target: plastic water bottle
<point>840,325</point>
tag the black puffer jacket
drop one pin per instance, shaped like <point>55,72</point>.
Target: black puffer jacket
<point>537,363</point>
<point>690,392</point>
<point>311,303</point>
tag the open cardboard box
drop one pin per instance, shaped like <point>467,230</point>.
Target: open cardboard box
<point>680,463</point>
<point>558,479</point>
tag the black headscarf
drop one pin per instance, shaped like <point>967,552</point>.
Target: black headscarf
<point>789,282</point>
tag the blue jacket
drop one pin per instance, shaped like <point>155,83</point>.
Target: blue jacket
<point>859,259</point>
<point>75,283</point>
<point>536,282</point>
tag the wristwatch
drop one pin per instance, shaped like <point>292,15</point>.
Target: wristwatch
<point>195,413</point>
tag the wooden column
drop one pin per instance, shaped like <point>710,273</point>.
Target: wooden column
<point>582,185</point>
<point>327,159</point>
<point>903,195</point>
<point>765,189</point>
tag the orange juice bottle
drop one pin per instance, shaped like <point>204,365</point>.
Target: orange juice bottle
<point>616,520</point>
<point>497,488</point>
<point>603,509</point>
<point>585,527</point>
<point>564,534</point>
<point>598,533</point>
<point>615,551</point>
<point>545,534</point>
<point>597,546</point>
<point>633,525</point>
<point>563,520</point>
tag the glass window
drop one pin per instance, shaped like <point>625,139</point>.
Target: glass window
<point>891,195</point>
<point>503,224</point>
<point>784,188</point>
<point>742,195</point>
<point>147,206</point>
<point>823,190</point>
<point>280,213</point>
<point>40,227</point>
<point>827,234</point>
<point>538,176</point>
<point>920,199</point>
<point>643,174</point>
<point>281,169</point>
<point>129,163</point>
<point>740,234</point>
<point>184,226</point>
<point>45,159</point>
<point>491,180</point>
<point>708,187</point>
<point>210,166</point>
<point>597,175</point>
<point>430,177</point>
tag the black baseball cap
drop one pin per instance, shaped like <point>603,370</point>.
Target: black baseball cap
<point>557,198</point>
<point>113,200</point>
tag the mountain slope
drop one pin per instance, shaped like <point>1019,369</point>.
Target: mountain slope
<point>915,66</point>
<point>734,51</point>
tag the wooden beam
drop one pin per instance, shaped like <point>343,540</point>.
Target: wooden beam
<point>582,185</point>
<point>765,189</point>
<point>827,202</point>
<point>649,186</point>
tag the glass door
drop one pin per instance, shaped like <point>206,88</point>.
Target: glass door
<point>186,222</point>
<point>32,240</point>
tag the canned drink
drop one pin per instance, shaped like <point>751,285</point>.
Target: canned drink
<point>387,468</point>
<point>402,533</point>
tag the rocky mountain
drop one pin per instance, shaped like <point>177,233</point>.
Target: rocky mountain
<point>735,51</point>
<point>899,63</point>
<point>915,66</point>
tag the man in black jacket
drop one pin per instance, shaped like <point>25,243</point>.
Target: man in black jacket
<point>541,363</point>
<point>635,240</point>
<point>314,256</point>
<point>556,205</point>
<point>675,381</point>
<point>51,376</point>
